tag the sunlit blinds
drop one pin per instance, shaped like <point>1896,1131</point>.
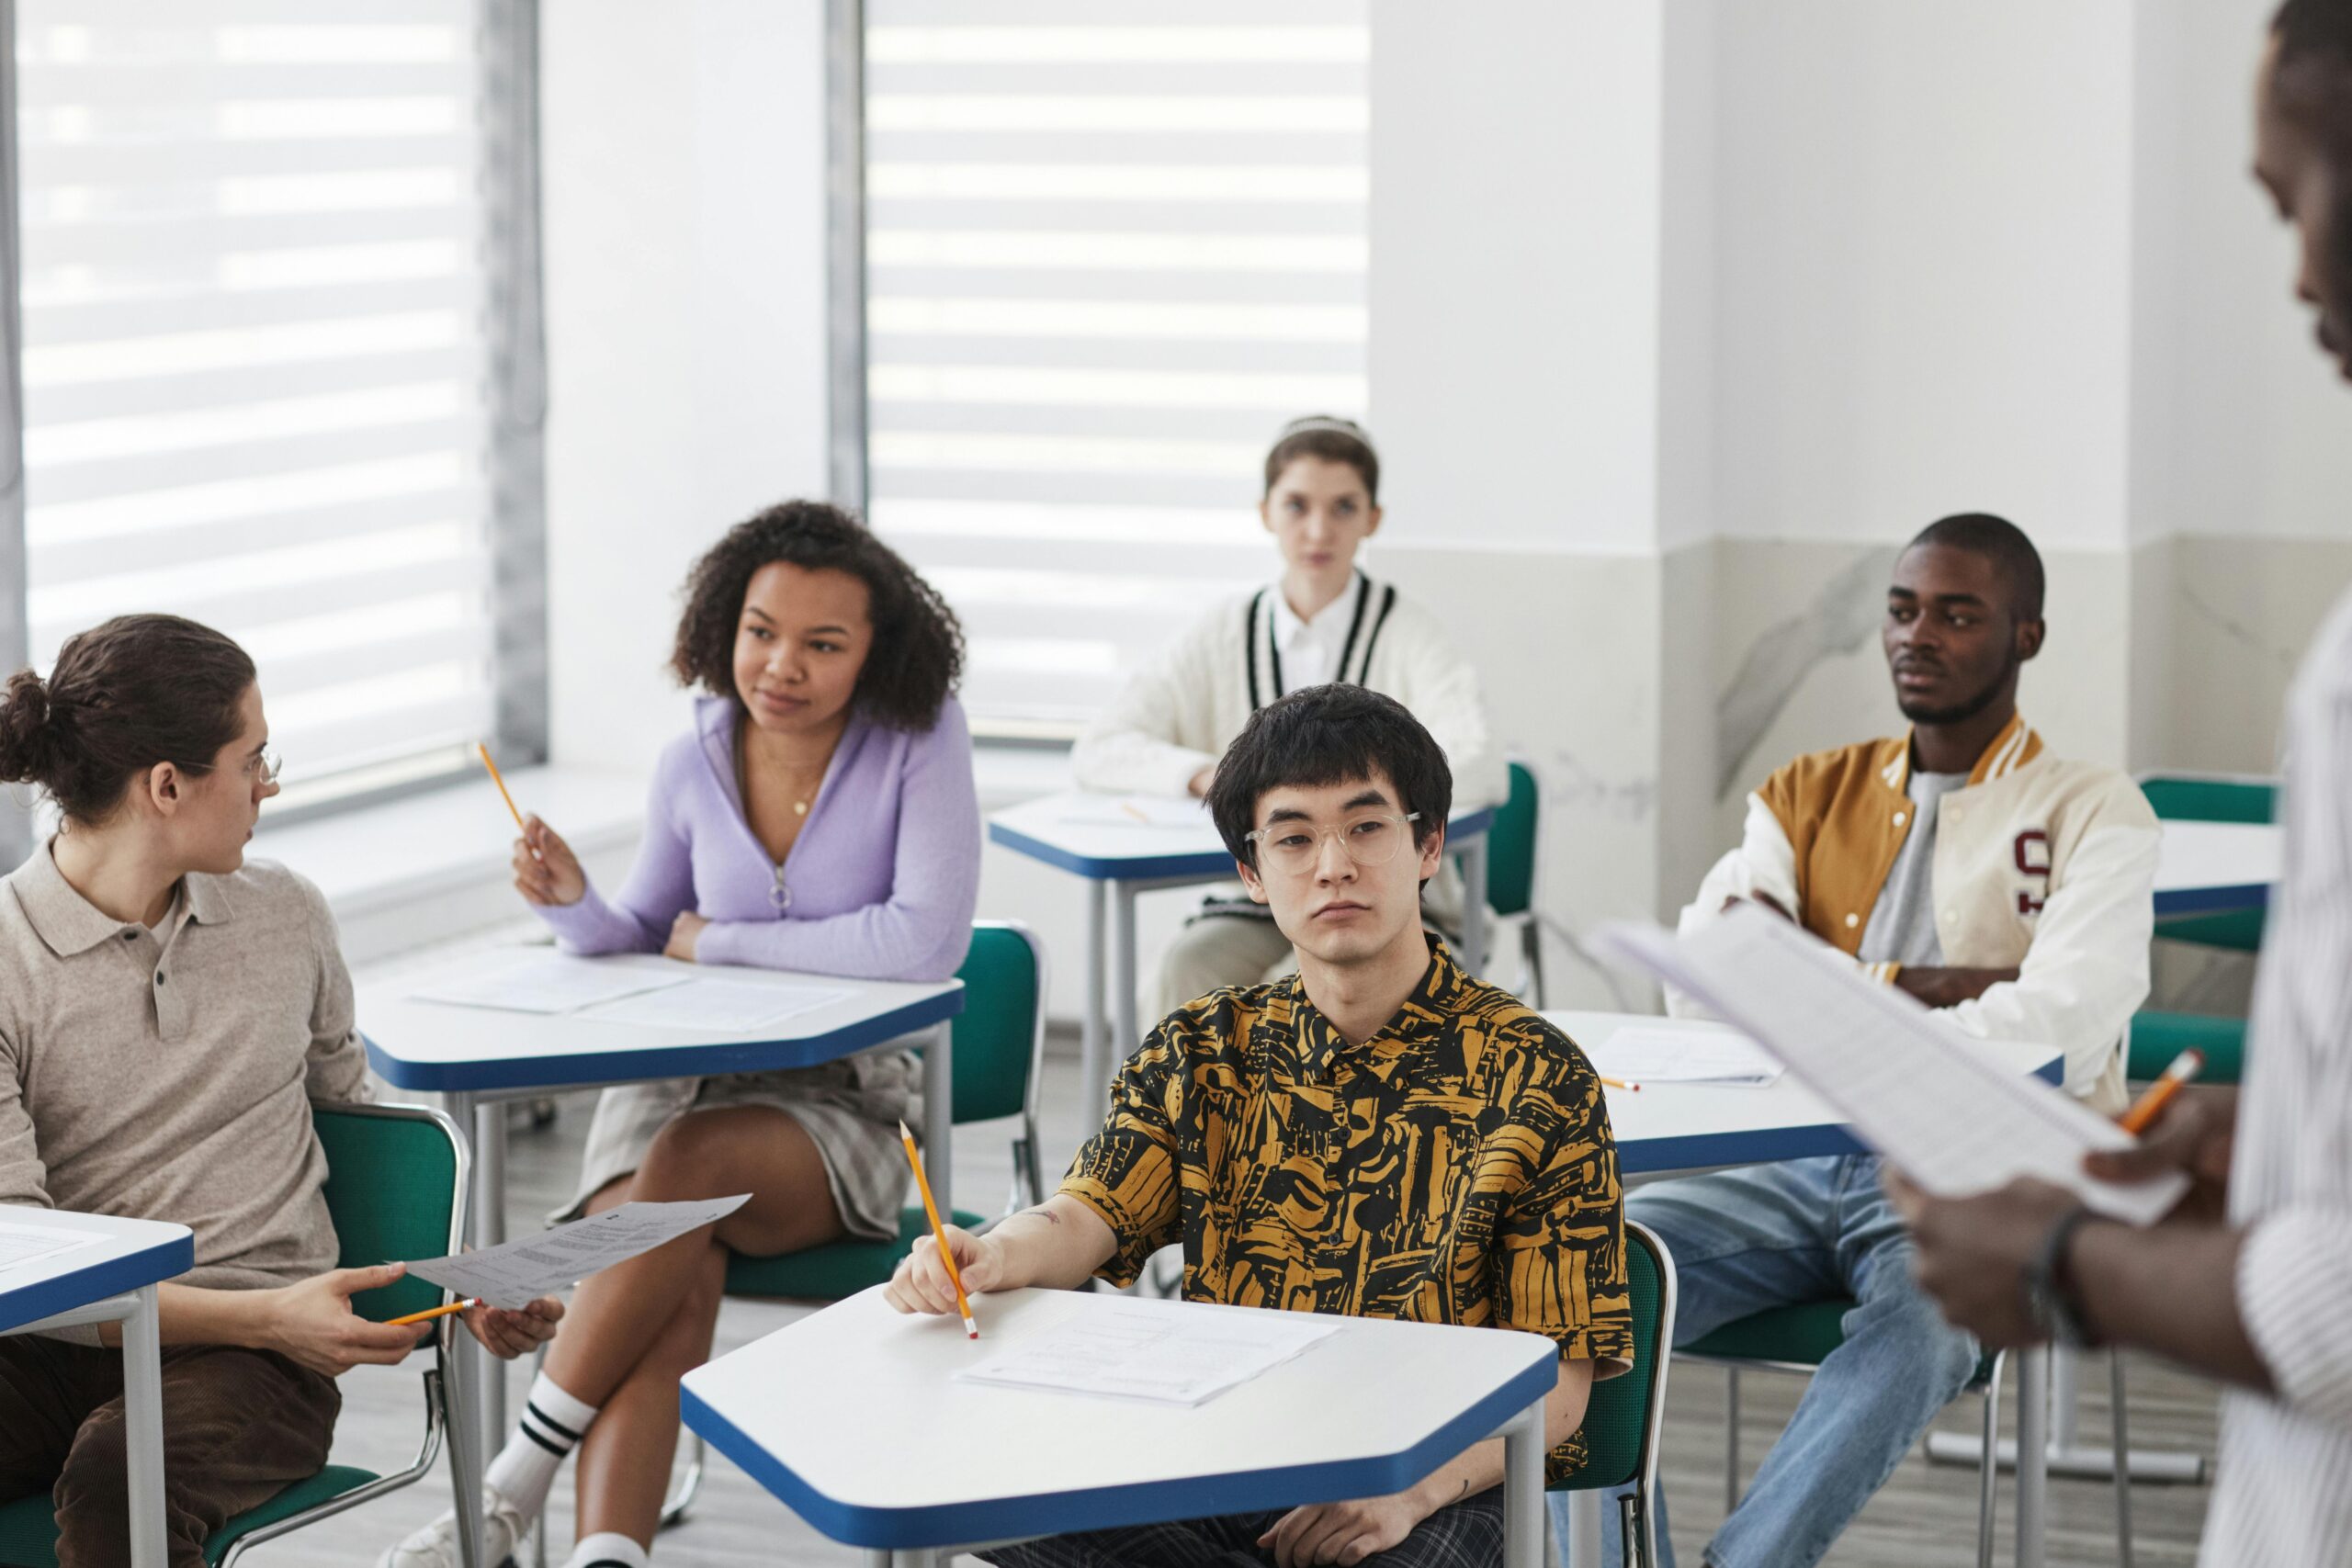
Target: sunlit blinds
<point>1110,249</point>
<point>253,359</point>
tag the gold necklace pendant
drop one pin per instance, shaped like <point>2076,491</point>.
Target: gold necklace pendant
<point>801,808</point>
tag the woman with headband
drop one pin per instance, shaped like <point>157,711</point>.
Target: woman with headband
<point>1323,619</point>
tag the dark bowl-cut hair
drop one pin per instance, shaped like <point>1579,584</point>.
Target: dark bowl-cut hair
<point>1329,735</point>
<point>1999,541</point>
<point>1332,439</point>
<point>918,652</point>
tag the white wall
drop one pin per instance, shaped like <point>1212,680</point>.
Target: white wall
<point>684,208</point>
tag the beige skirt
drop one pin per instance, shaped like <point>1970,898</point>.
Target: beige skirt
<point>850,1109</point>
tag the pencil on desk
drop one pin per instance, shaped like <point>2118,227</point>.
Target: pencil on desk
<point>432,1313</point>
<point>1620,1083</point>
<point>2171,1081</point>
<point>1129,807</point>
<point>500,780</point>
<point>939,1231</point>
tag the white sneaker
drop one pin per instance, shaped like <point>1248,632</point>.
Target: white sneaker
<point>435,1546</point>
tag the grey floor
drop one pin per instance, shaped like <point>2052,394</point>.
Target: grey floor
<point>1925,1516</point>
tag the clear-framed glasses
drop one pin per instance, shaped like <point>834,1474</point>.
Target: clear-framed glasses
<point>1370,838</point>
<point>266,768</point>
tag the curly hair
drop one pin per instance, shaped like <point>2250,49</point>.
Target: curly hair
<point>918,653</point>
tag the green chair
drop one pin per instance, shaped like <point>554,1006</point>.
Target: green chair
<point>1513,844</point>
<point>2156,1038</point>
<point>2189,797</point>
<point>1798,1339</point>
<point>396,1187</point>
<point>1000,1042</point>
<point>1622,1419</point>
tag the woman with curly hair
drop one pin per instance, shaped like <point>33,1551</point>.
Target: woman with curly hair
<point>820,815</point>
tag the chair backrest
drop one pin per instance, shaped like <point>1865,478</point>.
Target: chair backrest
<point>396,1187</point>
<point>1621,1418</point>
<point>1511,845</point>
<point>2181,798</point>
<point>1003,1027</point>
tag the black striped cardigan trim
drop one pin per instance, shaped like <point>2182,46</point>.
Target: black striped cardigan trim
<point>1258,632</point>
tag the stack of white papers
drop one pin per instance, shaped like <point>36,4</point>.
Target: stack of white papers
<point>1159,1352</point>
<point>540,981</point>
<point>517,1272</point>
<point>1137,811</point>
<point>1912,1086</point>
<point>23,1245</point>
<point>1664,1054</point>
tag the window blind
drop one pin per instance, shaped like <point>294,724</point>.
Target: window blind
<point>1108,255</point>
<point>253,353</point>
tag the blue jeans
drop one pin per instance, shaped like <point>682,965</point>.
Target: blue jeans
<point>1773,1235</point>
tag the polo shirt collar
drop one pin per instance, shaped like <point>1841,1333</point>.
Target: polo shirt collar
<point>1426,1017</point>
<point>70,924</point>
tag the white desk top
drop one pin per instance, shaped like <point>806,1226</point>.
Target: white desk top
<point>853,1418</point>
<point>440,1047</point>
<point>1134,851</point>
<point>2209,867</point>
<point>134,1254</point>
<point>1684,1126</point>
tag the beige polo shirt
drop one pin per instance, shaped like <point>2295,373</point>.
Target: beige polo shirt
<point>167,1074</point>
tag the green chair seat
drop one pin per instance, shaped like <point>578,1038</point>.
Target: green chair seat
<point>1617,1415</point>
<point>2213,800</point>
<point>836,1269</point>
<point>29,1533</point>
<point>2157,1037</point>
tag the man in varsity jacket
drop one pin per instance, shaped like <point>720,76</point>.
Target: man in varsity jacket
<point>1964,863</point>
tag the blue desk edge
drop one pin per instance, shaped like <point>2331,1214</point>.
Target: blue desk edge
<point>1190,863</point>
<point>166,1260</point>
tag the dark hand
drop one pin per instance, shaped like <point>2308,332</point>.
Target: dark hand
<point>1947,988</point>
<point>1766,899</point>
<point>1973,1254</point>
<point>2195,1134</point>
<point>507,1335</point>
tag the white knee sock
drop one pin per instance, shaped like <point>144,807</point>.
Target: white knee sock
<point>552,1424</point>
<point>608,1550</point>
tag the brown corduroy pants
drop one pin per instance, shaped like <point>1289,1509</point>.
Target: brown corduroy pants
<point>239,1427</point>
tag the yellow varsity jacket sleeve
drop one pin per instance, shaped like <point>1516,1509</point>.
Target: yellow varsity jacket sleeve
<point>2041,863</point>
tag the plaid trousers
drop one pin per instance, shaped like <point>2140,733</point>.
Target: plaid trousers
<point>239,1427</point>
<point>1468,1534</point>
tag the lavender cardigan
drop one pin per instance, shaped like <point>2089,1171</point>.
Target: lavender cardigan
<point>879,886</point>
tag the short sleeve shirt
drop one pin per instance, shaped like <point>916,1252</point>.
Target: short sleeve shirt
<point>1456,1168</point>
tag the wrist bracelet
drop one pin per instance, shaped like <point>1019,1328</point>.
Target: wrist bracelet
<point>2050,1297</point>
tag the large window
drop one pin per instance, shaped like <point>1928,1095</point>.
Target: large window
<point>256,342</point>
<point>1110,248</point>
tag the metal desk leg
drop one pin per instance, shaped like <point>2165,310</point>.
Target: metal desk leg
<point>490,1229</point>
<point>143,1410</point>
<point>1473,907</point>
<point>1523,1448</point>
<point>939,1116</point>
<point>2033,1452</point>
<point>1582,1549</point>
<point>474,1431</point>
<point>1094,1047</point>
<point>1124,1035</point>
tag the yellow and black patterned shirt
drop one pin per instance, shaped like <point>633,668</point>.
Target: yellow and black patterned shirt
<point>1456,1167</point>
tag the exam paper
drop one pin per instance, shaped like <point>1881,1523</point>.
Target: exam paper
<point>538,981</point>
<point>22,1244</point>
<point>1137,811</point>
<point>518,1273</point>
<point>1913,1090</point>
<point>1663,1054</point>
<point>721,1006</point>
<point>1153,1350</point>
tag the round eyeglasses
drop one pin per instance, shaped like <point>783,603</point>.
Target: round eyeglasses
<point>1370,838</point>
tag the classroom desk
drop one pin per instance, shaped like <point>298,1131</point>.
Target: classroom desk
<point>853,1419</point>
<point>108,1281</point>
<point>478,1058</point>
<point>2209,868</point>
<point>1117,862</point>
<point>1681,1127</point>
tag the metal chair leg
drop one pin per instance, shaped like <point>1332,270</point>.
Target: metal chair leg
<point>1988,1475</point>
<point>2122,1452</point>
<point>1531,941</point>
<point>675,1506</point>
<point>1632,1529</point>
<point>1731,1438</point>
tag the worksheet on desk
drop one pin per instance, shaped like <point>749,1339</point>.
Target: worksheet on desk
<point>1137,811</point>
<point>534,980</point>
<point>1160,1351</point>
<point>717,1006</point>
<point>1913,1088</point>
<point>1671,1053</point>
<point>22,1244</point>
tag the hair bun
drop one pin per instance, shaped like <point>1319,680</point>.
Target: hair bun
<point>24,728</point>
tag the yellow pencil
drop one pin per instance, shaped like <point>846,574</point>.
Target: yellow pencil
<point>938,1232</point>
<point>432,1313</point>
<point>1129,807</point>
<point>1620,1083</point>
<point>500,780</point>
<point>2184,1066</point>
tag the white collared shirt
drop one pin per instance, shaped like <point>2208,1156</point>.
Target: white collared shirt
<point>1310,648</point>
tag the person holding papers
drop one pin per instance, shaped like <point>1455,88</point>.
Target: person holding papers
<point>2003,886</point>
<point>819,816</point>
<point>168,1010</point>
<point>1377,1134</point>
<point>2247,1279</point>
<point>1322,620</point>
